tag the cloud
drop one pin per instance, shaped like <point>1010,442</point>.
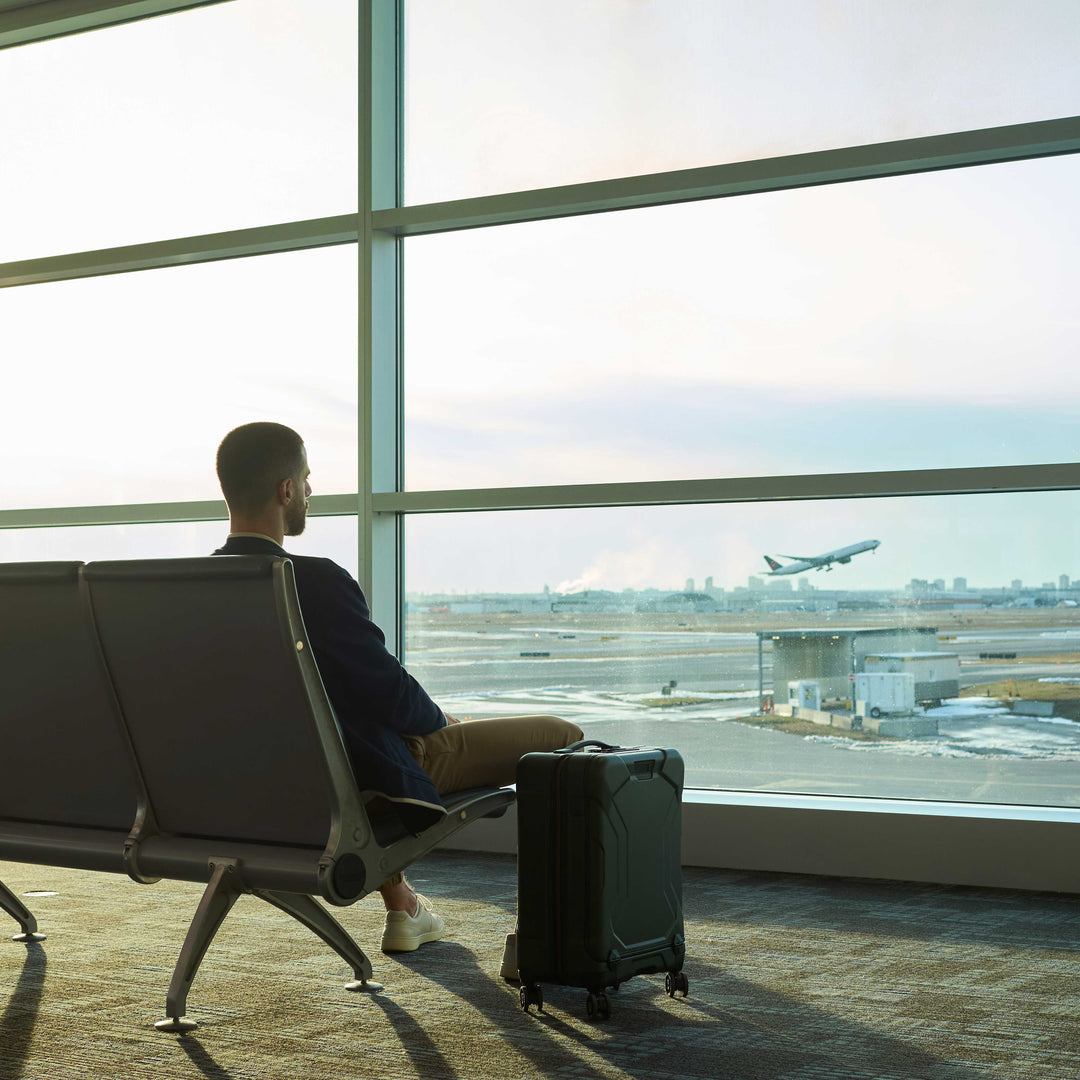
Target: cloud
<point>646,565</point>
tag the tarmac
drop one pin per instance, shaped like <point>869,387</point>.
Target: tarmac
<point>603,678</point>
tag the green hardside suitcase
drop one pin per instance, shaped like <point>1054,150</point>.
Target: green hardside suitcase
<point>599,870</point>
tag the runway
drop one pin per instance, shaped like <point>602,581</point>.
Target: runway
<point>469,657</point>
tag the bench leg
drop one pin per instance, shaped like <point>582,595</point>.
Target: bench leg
<point>216,903</point>
<point>317,919</point>
<point>10,903</point>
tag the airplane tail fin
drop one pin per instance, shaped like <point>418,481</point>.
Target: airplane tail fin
<point>773,564</point>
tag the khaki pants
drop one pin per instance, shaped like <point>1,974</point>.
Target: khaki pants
<point>479,753</point>
<point>475,753</point>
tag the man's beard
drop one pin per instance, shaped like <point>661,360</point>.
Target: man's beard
<point>295,517</point>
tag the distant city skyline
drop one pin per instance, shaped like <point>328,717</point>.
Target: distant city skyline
<point>802,587</point>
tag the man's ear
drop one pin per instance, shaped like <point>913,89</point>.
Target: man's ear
<point>286,489</point>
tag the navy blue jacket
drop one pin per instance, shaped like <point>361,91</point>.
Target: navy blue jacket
<point>376,700</point>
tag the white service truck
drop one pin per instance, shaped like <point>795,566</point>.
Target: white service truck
<point>937,674</point>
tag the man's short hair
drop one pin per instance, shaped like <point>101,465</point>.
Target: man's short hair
<point>253,459</point>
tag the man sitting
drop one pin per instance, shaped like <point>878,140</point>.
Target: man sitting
<point>401,744</point>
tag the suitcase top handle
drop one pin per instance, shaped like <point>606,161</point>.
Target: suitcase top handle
<point>601,747</point>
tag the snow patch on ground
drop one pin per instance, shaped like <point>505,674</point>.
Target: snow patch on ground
<point>967,727</point>
<point>981,728</point>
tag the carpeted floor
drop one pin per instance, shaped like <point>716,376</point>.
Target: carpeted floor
<point>791,978</point>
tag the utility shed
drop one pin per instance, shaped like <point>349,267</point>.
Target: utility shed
<point>937,674</point>
<point>832,656</point>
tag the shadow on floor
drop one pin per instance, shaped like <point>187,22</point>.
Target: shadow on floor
<point>727,1027</point>
<point>201,1059</point>
<point>21,1011</point>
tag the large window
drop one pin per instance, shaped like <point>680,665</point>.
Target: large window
<point>175,147</point>
<point>225,117</point>
<point>861,334</point>
<point>664,626</point>
<point>122,386</point>
<point>920,321</point>
<point>645,292</point>
<point>510,96</point>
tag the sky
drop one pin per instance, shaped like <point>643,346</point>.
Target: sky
<point>989,539</point>
<point>914,322</point>
<point>224,117</point>
<point>509,96</point>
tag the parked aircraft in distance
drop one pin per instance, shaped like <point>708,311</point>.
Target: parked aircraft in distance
<point>819,562</point>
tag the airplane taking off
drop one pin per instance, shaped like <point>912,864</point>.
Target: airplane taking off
<point>819,562</point>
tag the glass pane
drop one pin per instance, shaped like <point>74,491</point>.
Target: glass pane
<point>643,625</point>
<point>120,388</point>
<point>222,117</point>
<point>505,97</point>
<point>329,537</point>
<point>916,322</point>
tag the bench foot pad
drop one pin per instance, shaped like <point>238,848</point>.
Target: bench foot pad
<point>364,986</point>
<point>176,1023</point>
<point>28,937</point>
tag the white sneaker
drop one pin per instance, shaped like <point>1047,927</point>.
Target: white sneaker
<point>509,969</point>
<point>405,932</point>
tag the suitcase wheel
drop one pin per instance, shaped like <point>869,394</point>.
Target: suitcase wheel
<point>597,1005</point>
<point>676,982</point>
<point>531,994</point>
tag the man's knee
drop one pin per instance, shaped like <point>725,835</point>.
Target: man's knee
<point>480,752</point>
<point>555,732</point>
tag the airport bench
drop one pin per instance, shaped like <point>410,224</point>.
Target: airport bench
<point>166,719</point>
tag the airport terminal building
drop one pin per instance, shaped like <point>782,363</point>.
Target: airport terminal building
<point>572,293</point>
<point>302,199</point>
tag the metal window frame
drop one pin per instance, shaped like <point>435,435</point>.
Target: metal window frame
<point>183,251</point>
<point>23,22</point>
<point>955,150</point>
<point>381,428</point>
<point>978,480</point>
<point>382,504</point>
<point>63,517</point>
<point>378,228</point>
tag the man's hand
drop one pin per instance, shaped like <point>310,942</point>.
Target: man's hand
<point>450,719</point>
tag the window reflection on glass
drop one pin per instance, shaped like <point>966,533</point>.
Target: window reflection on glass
<point>944,663</point>
<point>917,322</point>
<point>508,96</point>
<point>120,388</point>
